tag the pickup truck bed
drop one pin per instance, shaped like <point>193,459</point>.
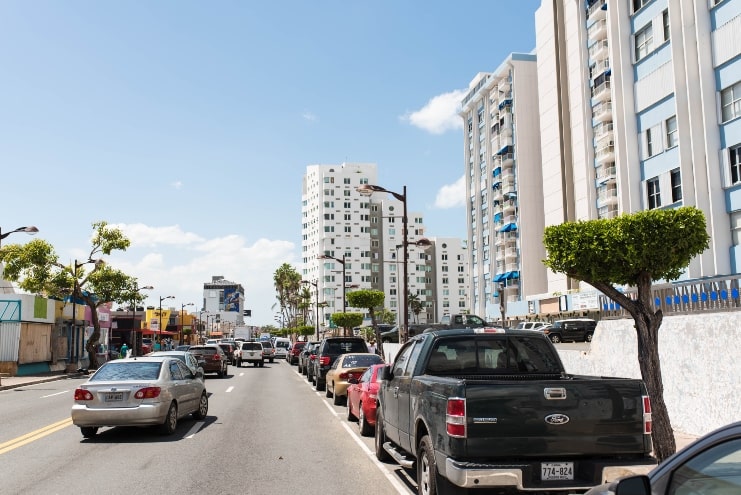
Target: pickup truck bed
<point>494,409</point>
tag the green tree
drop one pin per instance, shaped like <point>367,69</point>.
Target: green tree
<point>347,320</point>
<point>305,330</point>
<point>372,300</point>
<point>415,306</point>
<point>633,250</point>
<point>287,282</point>
<point>385,315</point>
<point>36,268</point>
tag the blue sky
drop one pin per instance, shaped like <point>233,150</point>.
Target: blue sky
<point>190,124</point>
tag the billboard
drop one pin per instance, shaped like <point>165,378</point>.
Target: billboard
<point>231,299</point>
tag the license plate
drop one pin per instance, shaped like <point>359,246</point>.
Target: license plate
<point>114,397</point>
<point>553,471</point>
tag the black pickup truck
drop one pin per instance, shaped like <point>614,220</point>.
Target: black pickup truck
<point>493,409</point>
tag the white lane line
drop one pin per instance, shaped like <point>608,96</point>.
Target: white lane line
<point>230,389</point>
<point>52,395</point>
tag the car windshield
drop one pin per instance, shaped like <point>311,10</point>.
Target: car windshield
<point>340,347</point>
<point>127,370</point>
<point>252,347</point>
<point>284,345</point>
<point>203,350</point>
<point>360,360</point>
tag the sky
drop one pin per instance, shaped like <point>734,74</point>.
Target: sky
<point>189,125</point>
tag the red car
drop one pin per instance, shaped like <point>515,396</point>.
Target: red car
<point>361,400</point>
<point>295,350</point>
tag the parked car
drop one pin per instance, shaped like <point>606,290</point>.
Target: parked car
<point>147,345</point>
<point>294,351</point>
<point>347,366</point>
<point>141,391</point>
<point>304,355</point>
<point>268,351</point>
<point>193,363</point>
<point>361,399</point>
<point>531,325</point>
<point>710,464</point>
<point>281,347</point>
<point>576,330</point>
<point>214,358</point>
<point>229,348</point>
<point>250,353</point>
<point>329,350</point>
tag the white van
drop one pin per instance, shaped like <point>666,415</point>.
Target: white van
<point>282,345</point>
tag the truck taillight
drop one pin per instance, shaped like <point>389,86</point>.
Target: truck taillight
<point>82,394</point>
<point>324,361</point>
<point>647,421</point>
<point>455,418</point>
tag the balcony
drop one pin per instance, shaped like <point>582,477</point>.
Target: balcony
<point>497,194</point>
<point>599,51</point>
<point>508,170</point>
<point>598,31</point>
<point>605,154</point>
<point>506,125</point>
<point>508,185</point>
<point>607,196</point>
<point>507,159</point>
<point>597,11</point>
<point>606,174</point>
<point>608,211</point>
<point>505,85</point>
<point>509,206</point>
<point>602,112</point>
<point>510,253</point>
<point>602,132</point>
<point>601,93</point>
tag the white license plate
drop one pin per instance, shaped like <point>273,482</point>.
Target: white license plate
<point>114,397</point>
<point>553,471</point>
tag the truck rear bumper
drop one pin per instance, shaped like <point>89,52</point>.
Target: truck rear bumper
<point>525,476</point>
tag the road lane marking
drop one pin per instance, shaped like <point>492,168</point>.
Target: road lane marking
<point>52,395</point>
<point>230,389</point>
<point>34,435</point>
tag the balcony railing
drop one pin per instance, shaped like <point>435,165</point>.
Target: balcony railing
<point>598,30</point>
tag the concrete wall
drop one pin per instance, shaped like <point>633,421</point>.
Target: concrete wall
<point>700,365</point>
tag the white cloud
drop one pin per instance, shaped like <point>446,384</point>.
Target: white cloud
<point>309,116</point>
<point>177,184</point>
<point>440,114</point>
<point>452,195</point>
<point>142,235</point>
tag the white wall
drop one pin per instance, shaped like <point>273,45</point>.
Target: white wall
<point>700,365</point>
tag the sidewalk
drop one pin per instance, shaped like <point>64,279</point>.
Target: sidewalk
<point>9,382</point>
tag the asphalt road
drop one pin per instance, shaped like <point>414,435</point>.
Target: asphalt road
<point>267,432</point>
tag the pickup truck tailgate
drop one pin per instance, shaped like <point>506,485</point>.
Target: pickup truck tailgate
<point>573,416</point>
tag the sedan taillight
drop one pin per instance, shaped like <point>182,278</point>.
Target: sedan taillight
<point>82,394</point>
<point>148,393</point>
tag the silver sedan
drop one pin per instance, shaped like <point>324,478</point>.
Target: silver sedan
<point>139,391</point>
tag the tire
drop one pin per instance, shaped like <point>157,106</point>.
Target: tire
<point>271,360</point>
<point>89,431</point>
<point>239,363</point>
<point>366,430</point>
<point>254,364</point>
<point>555,338</point>
<point>202,407</point>
<point>380,439</point>
<point>171,420</point>
<point>327,393</point>
<point>588,337</point>
<point>320,385</point>
<point>429,481</point>
<point>220,373</point>
<point>350,415</point>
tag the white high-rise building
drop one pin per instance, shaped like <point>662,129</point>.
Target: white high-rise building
<point>449,256</point>
<point>504,185</point>
<point>640,108</point>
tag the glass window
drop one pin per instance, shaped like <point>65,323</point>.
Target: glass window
<point>665,21</point>
<point>676,179</point>
<point>643,42</point>
<point>672,139</point>
<point>715,470</point>
<point>653,193</point>
<point>730,102</point>
<point>735,161</point>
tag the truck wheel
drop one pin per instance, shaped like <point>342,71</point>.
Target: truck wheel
<point>588,337</point>
<point>381,453</point>
<point>555,338</point>
<point>429,481</point>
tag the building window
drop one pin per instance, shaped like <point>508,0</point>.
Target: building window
<point>730,102</point>
<point>735,160</point>
<point>665,22</point>
<point>638,4</point>
<point>643,42</point>
<point>653,193</point>
<point>676,179</point>
<point>650,144</point>
<point>671,132</point>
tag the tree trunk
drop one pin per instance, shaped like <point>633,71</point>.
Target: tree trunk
<point>92,344</point>
<point>647,324</point>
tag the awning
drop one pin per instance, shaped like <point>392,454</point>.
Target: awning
<point>505,149</point>
<point>505,103</point>
<point>498,217</point>
<point>510,227</point>
<point>511,275</point>
<point>149,331</point>
<point>499,277</point>
<point>497,171</point>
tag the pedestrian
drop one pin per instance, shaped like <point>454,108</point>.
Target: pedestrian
<point>124,353</point>
<point>372,347</point>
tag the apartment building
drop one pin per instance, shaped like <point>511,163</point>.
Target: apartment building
<point>639,107</point>
<point>504,185</point>
<point>449,258</point>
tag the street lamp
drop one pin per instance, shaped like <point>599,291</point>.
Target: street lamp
<point>368,190</point>
<point>133,314</point>
<point>342,261</point>
<point>31,230</point>
<point>316,305</point>
<point>162,298</point>
<point>182,317</point>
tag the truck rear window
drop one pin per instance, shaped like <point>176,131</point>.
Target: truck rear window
<point>496,355</point>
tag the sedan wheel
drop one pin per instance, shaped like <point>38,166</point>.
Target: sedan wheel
<point>365,429</point>
<point>202,407</point>
<point>171,421</point>
<point>350,415</point>
<point>555,338</point>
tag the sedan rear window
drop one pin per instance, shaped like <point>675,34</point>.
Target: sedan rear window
<point>358,361</point>
<point>127,371</point>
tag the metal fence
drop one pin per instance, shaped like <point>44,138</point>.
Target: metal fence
<point>684,297</point>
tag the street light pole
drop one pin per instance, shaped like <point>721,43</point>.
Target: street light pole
<point>133,314</point>
<point>162,298</point>
<point>182,317</point>
<point>342,261</point>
